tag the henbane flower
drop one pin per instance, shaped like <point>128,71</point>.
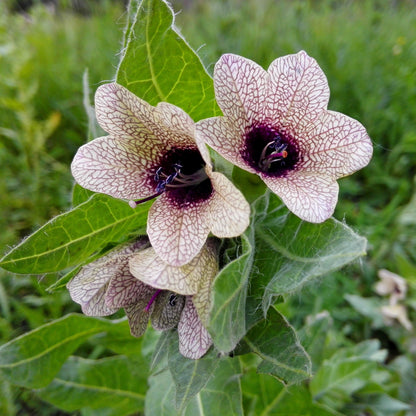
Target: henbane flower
<point>194,280</point>
<point>276,124</point>
<point>106,285</point>
<point>153,152</point>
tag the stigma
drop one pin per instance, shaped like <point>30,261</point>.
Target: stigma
<point>274,151</point>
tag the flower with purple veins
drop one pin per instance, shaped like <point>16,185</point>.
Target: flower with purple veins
<point>105,285</point>
<point>276,124</point>
<point>194,280</point>
<point>152,152</point>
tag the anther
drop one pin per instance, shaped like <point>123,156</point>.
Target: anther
<point>157,174</point>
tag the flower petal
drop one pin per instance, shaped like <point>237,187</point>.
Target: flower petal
<point>89,286</point>
<point>335,144</point>
<point>298,91</point>
<point>178,125</point>
<point>229,210</point>
<point>194,339</point>
<point>177,233</point>
<point>124,289</point>
<point>148,267</point>
<point>222,135</point>
<point>138,317</point>
<point>167,311</point>
<point>120,168</point>
<point>202,299</point>
<point>96,305</point>
<point>310,196</point>
<point>240,89</point>
<point>123,115</point>
<point>182,129</point>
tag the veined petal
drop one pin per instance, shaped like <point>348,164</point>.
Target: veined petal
<point>138,317</point>
<point>124,289</point>
<point>177,233</point>
<point>123,115</point>
<point>222,135</point>
<point>240,89</point>
<point>96,305</point>
<point>202,299</point>
<point>167,311</point>
<point>194,339</point>
<point>178,125</point>
<point>120,168</point>
<point>310,196</point>
<point>298,91</point>
<point>148,267</point>
<point>89,286</point>
<point>335,144</point>
<point>229,210</point>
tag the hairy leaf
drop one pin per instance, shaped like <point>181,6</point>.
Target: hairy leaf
<point>117,384</point>
<point>72,237</point>
<point>33,359</point>
<point>291,252</point>
<point>277,344</point>
<point>158,65</point>
<point>189,376</point>
<point>227,320</point>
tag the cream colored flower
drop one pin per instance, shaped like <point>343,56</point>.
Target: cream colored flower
<point>194,280</point>
<point>106,285</point>
<point>391,284</point>
<point>276,124</point>
<point>152,152</point>
<point>398,312</point>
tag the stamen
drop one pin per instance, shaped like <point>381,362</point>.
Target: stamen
<point>277,154</point>
<point>157,174</point>
<point>153,298</point>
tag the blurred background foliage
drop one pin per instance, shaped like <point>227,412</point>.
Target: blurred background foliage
<point>367,48</point>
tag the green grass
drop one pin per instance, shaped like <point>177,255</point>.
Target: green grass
<point>367,50</point>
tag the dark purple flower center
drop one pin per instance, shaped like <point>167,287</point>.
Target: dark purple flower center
<point>181,173</point>
<point>270,151</point>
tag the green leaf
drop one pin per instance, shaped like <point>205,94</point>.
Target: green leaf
<point>189,376</point>
<point>117,384</point>
<point>119,340</point>
<point>227,323</point>
<point>158,65</point>
<point>346,372</point>
<point>80,195</point>
<point>277,344</point>
<point>161,395</point>
<point>72,237</point>
<point>222,395</point>
<point>368,307</point>
<point>291,252</point>
<point>7,396</point>
<point>265,396</point>
<point>313,337</point>
<point>33,359</point>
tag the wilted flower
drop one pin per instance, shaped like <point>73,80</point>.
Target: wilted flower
<point>152,152</point>
<point>276,124</point>
<point>105,285</point>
